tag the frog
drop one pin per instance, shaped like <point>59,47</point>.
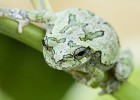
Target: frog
<point>80,43</point>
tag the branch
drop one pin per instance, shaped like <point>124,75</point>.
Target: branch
<point>32,36</point>
<point>127,92</point>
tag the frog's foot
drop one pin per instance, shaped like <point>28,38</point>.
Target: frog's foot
<point>110,87</point>
<point>22,23</point>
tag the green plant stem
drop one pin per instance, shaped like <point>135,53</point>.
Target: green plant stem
<point>127,92</point>
<point>32,35</point>
<point>42,5</point>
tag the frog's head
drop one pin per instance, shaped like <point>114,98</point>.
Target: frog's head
<point>73,38</point>
<point>65,54</point>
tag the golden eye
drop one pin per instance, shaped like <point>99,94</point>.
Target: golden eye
<point>80,52</point>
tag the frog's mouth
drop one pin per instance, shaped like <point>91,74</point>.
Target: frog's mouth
<point>78,73</point>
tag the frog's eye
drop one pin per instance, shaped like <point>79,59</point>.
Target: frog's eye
<point>43,43</point>
<point>80,52</point>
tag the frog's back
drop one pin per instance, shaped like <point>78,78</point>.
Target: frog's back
<point>87,30</point>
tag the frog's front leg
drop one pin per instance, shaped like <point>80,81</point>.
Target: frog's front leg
<point>24,17</point>
<point>91,78</point>
<point>124,66</point>
<point>122,70</point>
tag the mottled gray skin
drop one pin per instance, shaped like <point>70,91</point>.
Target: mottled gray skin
<point>84,45</point>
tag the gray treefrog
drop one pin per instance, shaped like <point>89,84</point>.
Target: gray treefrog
<point>82,44</point>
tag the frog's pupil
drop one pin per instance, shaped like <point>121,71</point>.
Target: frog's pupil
<point>81,53</point>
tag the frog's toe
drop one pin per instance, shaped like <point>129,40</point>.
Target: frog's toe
<point>22,23</point>
<point>110,87</point>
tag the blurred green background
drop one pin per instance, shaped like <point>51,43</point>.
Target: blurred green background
<point>24,75</point>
